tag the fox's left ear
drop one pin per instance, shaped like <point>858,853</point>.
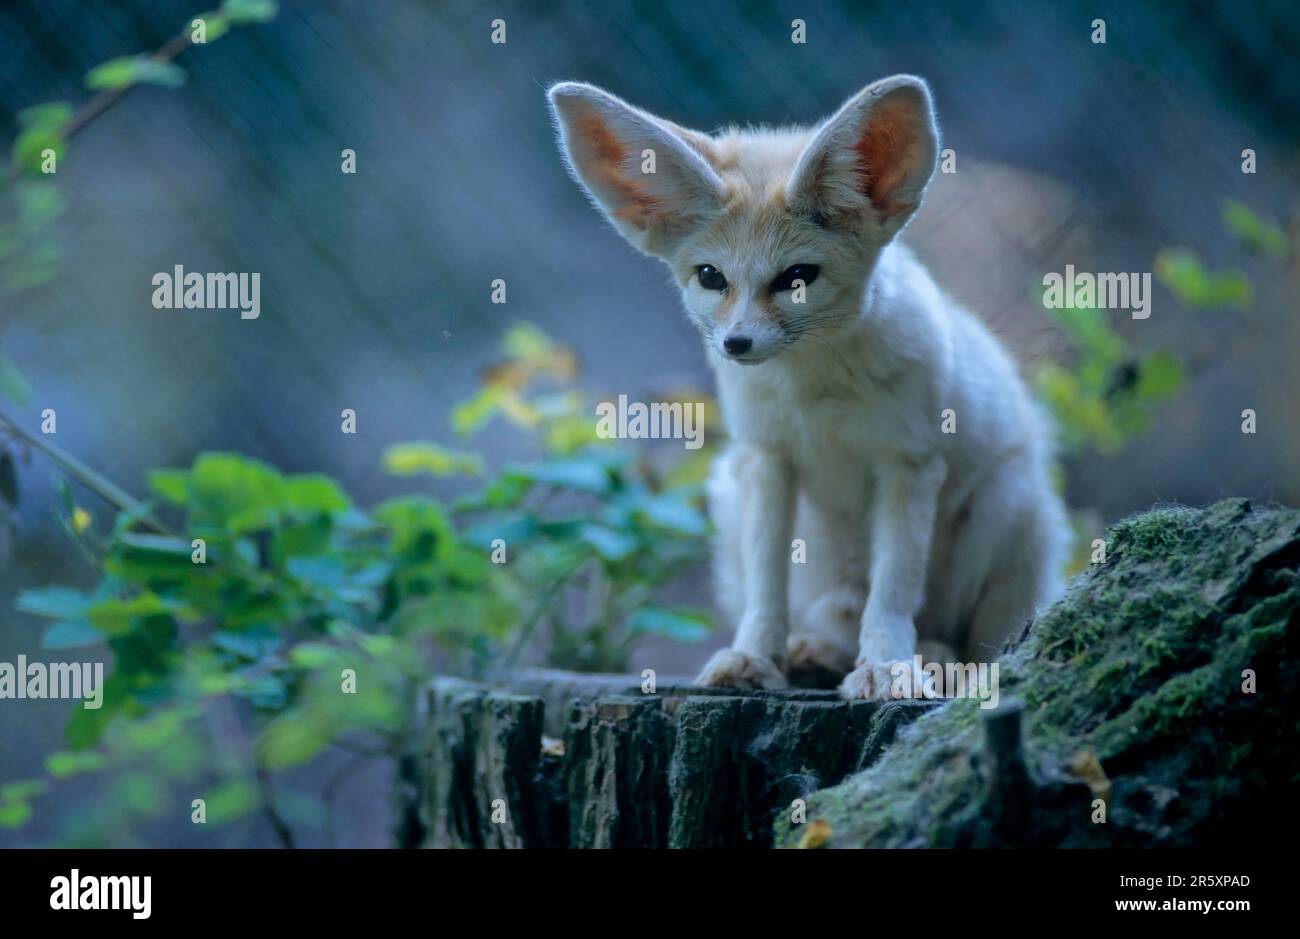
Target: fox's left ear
<point>871,161</point>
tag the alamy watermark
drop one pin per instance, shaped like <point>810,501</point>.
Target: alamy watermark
<point>1083,290</point>
<point>79,891</point>
<point>672,420</point>
<point>194,291</point>
<point>934,680</point>
<point>37,680</point>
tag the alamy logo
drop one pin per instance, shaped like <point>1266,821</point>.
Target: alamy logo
<point>933,680</point>
<point>1098,291</point>
<point>672,420</point>
<point>194,291</point>
<point>75,892</point>
<point>56,680</point>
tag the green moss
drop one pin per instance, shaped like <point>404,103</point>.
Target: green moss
<point>1141,663</point>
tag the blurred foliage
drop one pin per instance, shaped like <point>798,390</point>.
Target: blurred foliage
<point>269,587</point>
<point>1105,397</point>
<point>598,518</point>
<point>31,203</point>
<point>1258,234</point>
<point>1187,278</point>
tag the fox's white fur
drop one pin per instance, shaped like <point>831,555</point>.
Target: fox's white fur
<point>869,416</point>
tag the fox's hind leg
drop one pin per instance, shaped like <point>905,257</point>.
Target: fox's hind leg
<point>828,589</point>
<point>1027,576</point>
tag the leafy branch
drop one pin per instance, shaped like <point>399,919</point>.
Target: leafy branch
<point>275,597</point>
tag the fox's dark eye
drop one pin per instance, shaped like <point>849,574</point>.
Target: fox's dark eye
<point>804,272</point>
<point>711,278</point>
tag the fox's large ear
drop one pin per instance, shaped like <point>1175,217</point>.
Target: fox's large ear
<point>871,161</point>
<point>650,177</point>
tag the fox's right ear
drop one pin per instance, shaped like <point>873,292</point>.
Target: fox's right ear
<point>868,165</point>
<point>651,178</point>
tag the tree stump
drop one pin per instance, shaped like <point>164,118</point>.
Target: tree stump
<point>556,759</point>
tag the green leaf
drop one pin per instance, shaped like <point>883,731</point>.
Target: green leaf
<point>30,145</point>
<point>408,459</point>
<point>87,725</point>
<point>235,493</point>
<point>582,473</point>
<point>115,617</point>
<point>54,115</point>
<point>68,763</point>
<point>146,559</point>
<point>307,538</point>
<point>666,511</point>
<point>249,11</point>
<point>609,543</point>
<point>1159,376</point>
<point>506,491</point>
<point>22,790</point>
<point>171,485</point>
<point>292,739</point>
<point>1090,330</point>
<point>513,528</point>
<point>1257,233</point>
<point>315,492</point>
<point>71,634</point>
<point>526,342</point>
<point>1191,282</point>
<point>312,654</point>
<point>420,527</point>
<point>156,544</point>
<point>215,25</point>
<point>154,731</point>
<point>468,416</point>
<point>254,645</point>
<point>43,127</point>
<point>230,801</point>
<point>53,602</point>
<point>680,624</point>
<point>14,814</point>
<point>15,801</point>
<point>132,70</point>
<point>332,573</point>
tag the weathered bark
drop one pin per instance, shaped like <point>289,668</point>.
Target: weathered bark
<point>680,767</point>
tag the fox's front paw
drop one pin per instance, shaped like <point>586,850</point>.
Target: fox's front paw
<point>730,668</point>
<point>887,681</point>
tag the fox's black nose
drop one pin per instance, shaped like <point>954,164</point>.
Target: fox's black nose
<point>737,345</point>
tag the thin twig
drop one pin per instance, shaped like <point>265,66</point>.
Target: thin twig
<point>536,617</point>
<point>101,102</point>
<point>97,483</point>
<point>281,828</point>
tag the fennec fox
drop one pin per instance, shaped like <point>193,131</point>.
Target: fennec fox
<point>875,427</point>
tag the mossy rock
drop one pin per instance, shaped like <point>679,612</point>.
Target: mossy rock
<point>1131,696</point>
